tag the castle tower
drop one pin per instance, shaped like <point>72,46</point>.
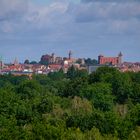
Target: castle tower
<point>120,58</point>
<point>100,59</point>
<point>70,54</point>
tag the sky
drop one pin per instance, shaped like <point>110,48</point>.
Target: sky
<point>31,28</point>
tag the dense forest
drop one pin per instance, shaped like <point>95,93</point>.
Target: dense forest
<point>104,105</point>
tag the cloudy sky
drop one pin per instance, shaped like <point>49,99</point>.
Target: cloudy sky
<point>30,28</point>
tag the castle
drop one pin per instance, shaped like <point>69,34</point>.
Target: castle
<point>110,60</point>
<point>52,59</point>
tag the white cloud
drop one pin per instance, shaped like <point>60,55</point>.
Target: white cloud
<point>123,1</point>
<point>43,15</point>
<point>114,17</point>
<point>23,15</point>
<point>63,16</point>
<point>109,10</point>
<point>12,8</point>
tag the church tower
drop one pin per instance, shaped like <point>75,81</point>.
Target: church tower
<point>70,54</point>
<point>1,64</point>
<point>120,58</point>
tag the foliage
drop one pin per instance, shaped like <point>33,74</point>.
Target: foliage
<point>104,105</point>
<point>26,61</point>
<point>90,61</point>
<point>33,62</point>
<point>43,62</point>
<point>75,73</point>
<point>101,96</point>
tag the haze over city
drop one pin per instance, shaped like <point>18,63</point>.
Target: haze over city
<point>31,28</point>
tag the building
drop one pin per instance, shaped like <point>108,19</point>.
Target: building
<point>58,60</point>
<point>48,58</point>
<point>129,66</point>
<point>48,63</point>
<point>102,60</point>
<point>70,54</point>
<point>54,67</point>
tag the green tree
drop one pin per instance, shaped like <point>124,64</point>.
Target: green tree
<point>135,96</point>
<point>29,89</point>
<point>101,95</point>
<point>122,87</point>
<point>90,61</point>
<point>135,134</point>
<point>45,105</point>
<point>56,75</point>
<point>43,62</point>
<point>74,87</point>
<point>103,74</point>
<point>26,61</point>
<point>72,72</point>
<point>33,62</point>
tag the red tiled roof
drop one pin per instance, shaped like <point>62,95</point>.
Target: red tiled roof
<point>55,66</point>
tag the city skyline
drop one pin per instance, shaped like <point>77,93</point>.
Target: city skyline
<point>67,55</point>
<point>31,28</point>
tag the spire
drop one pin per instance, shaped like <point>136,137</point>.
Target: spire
<point>120,54</point>
<point>120,58</point>
<point>16,61</point>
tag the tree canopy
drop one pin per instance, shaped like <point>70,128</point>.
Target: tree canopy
<point>104,105</point>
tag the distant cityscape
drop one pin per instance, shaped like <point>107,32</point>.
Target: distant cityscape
<point>52,63</point>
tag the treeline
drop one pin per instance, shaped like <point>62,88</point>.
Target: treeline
<point>104,105</point>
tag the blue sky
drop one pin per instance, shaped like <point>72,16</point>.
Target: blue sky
<point>31,28</point>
